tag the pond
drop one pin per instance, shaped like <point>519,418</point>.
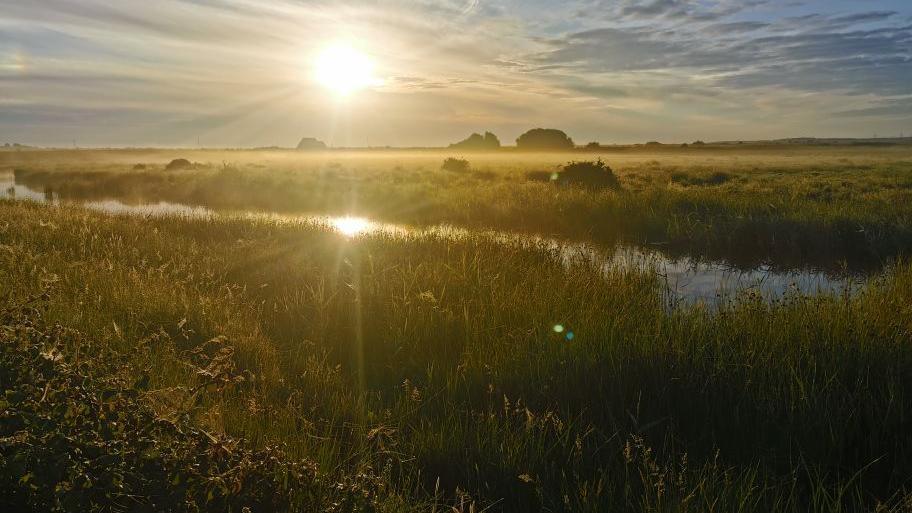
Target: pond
<point>686,279</point>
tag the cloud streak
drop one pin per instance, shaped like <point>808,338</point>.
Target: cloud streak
<point>237,73</point>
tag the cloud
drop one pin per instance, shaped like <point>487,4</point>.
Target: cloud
<point>862,17</point>
<point>860,60</point>
<point>171,69</point>
<point>681,10</point>
<point>899,108</point>
<point>735,27</point>
<point>656,8</point>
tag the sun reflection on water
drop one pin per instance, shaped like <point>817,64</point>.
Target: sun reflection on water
<point>350,226</point>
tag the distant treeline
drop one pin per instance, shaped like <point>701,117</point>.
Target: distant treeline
<point>538,139</point>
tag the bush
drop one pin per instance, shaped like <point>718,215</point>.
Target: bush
<point>455,165</point>
<point>178,164</point>
<point>593,175</point>
<point>139,167</point>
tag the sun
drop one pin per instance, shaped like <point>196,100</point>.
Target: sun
<point>343,70</point>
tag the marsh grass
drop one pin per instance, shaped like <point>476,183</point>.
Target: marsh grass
<point>435,362</point>
<point>786,207</point>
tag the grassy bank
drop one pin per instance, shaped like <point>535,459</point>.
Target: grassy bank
<point>434,364</point>
<point>788,207</point>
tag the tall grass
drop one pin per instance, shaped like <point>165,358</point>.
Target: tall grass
<point>789,208</point>
<point>436,363</point>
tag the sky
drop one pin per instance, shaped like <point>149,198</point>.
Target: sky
<point>241,73</point>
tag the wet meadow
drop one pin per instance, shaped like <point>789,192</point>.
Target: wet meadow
<point>418,339</point>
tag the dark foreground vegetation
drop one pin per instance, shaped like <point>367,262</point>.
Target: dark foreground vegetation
<point>81,431</point>
<point>277,366</point>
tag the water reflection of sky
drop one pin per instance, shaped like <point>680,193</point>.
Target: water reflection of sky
<point>685,280</point>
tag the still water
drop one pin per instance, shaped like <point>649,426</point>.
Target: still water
<point>686,280</point>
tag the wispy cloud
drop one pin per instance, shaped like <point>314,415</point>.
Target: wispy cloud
<point>237,73</point>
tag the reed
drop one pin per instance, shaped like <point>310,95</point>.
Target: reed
<point>436,363</point>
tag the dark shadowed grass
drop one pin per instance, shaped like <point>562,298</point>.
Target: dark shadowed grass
<point>701,179</point>
<point>436,363</point>
<point>80,430</point>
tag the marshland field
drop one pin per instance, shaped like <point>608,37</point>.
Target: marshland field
<point>725,328</point>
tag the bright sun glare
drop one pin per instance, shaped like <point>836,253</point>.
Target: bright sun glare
<point>344,70</point>
<point>350,226</point>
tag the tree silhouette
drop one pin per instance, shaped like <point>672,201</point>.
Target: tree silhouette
<point>310,143</point>
<point>544,139</point>
<point>478,142</point>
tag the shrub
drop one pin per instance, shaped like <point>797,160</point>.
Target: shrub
<point>590,174</point>
<point>455,165</point>
<point>177,164</point>
<point>139,167</point>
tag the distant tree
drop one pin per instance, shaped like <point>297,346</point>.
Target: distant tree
<point>544,139</point>
<point>473,141</point>
<point>699,143</point>
<point>476,141</point>
<point>594,145</point>
<point>653,143</point>
<point>310,143</point>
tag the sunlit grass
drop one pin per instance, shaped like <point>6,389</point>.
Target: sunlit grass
<point>789,207</point>
<point>440,364</point>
